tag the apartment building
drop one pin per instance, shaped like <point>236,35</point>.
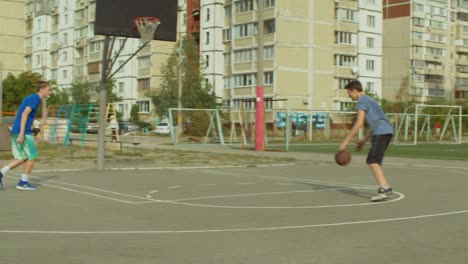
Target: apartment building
<point>60,45</point>
<point>11,37</point>
<point>426,49</point>
<point>312,49</point>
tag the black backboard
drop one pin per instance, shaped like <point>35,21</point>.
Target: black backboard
<point>115,17</point>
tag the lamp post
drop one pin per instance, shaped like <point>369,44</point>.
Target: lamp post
<point>180,85</point>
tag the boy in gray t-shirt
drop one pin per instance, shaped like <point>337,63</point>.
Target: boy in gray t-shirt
<point>381,132</point>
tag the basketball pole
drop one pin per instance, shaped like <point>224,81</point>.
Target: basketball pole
<point>102,106</point>
<point>260,103</point>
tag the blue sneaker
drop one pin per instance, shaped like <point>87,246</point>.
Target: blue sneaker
<point>25,186</point>
<point>1,182</point>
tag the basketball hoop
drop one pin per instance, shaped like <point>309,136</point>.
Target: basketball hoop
<point>146,26</point>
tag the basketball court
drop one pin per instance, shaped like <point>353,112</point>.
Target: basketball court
<point>307,212</point>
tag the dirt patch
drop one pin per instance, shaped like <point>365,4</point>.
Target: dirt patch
<point>84,157</point>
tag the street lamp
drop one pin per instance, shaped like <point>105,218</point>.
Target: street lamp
<point>195,13</point>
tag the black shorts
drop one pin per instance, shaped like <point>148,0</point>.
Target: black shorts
<point>379,145</point>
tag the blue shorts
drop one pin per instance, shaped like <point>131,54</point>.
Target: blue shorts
<point>25,151</point>
<point>379,145</point>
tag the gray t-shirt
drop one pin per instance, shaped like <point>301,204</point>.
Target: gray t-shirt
<point>375,116</point>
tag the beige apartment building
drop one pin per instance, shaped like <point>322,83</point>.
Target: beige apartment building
<point>425,49</point>
<point>312,49</point>
<point>11,37</point>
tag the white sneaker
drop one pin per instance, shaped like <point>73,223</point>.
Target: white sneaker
<point>382,194</point>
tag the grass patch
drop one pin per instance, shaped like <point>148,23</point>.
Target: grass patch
<point>429,151</point>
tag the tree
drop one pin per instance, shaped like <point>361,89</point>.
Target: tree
<point>81,92</point>
<point>16,88</point>
<point>195,93</point>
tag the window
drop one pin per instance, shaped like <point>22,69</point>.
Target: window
<point>269,26</point>
<point>93,68</point>
<point>207,38</point>
<point>343,82</point>
<point>417,21</point>
<point>418,63</point>
<point>344,60</point>
<point>269,3</point>
<point>207,61</point>
<point>121,87</point>
<point>121,63</point>
<point>227,34</point>
<point>38,59</point>
<point>143,106</point>
<point>370,21</point>
<point>244,6</point>
<point>53,74</point>
<point>268,80</point>
<point>370,43</point>
<point>64,74</point>
<point>346,106</point>
<point>370,2</point>
<point>143,84</point>
<point>65,19</point>
<point>245,55</point>
<point>207,14</point>
<point>437,24</point>
<point>244,30</point>
<point>227,58</point>
<point>370,86</point>
<point>417,77</point>
<point>65,56</point>
<point>248,79</point>
<point>95,47</point>
<point>345,37</point>
<point>346,15</point>
<point>370,65</point>
<point>269,53</point>
<point>144,62</point>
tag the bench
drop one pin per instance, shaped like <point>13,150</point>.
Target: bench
<point>121,143</point>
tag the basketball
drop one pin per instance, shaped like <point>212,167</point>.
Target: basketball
<point>342,157</point>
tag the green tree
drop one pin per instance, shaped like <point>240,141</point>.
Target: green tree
<point>195,93</point>
<point>82,92</point>
<point>16,88</point>
<point>59,97</point>
<point>134,113</point>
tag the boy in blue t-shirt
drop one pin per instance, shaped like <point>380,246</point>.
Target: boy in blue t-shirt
<point>381,132</point>
<point>22,141</point>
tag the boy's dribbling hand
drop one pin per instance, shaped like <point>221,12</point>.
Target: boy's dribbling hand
<point>360,145</point>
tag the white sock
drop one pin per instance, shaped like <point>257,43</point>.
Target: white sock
<point>5,169</point>
<point>24,177</point>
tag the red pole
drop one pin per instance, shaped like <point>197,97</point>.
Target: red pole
<point>260,105</point>
<point>259,120</point>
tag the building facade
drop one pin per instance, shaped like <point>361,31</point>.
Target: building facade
<point>312,49</point>
<point>11,37</point>
<point>425,50</point>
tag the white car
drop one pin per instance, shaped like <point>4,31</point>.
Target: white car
<point>163,128</point>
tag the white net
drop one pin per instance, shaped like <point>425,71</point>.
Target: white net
<point>147,26</point>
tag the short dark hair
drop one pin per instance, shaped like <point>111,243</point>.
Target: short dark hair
<point>42,85</point>
<point>354,85</point>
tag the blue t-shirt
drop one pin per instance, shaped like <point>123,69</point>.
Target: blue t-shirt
<point>375,116</point>
<point>33,102</point>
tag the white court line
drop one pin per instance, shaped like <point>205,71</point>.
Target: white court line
<point>89,188</point>
<point>400,197</point>
<point>235,229</point>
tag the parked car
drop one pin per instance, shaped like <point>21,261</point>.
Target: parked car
<point>127,127</point>
<point>163,128</point>
<point>92,128</point>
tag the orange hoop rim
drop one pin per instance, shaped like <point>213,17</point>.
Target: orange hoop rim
<point>148,18</point>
